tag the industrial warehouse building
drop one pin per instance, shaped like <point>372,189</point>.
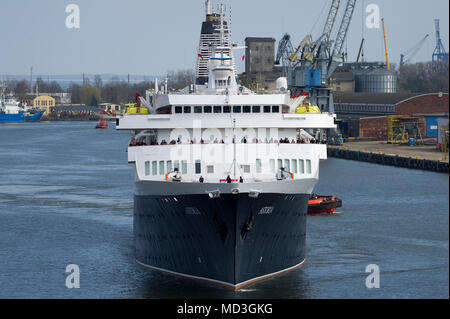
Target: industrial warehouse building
<point>260,63</point>
<point>420,111</point>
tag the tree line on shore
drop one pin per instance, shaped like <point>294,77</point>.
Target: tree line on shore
<point>94,92</point>
<point>414,78</point>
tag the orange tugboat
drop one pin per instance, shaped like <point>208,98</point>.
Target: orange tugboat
<point>318,204</point>
<point>102,124</point>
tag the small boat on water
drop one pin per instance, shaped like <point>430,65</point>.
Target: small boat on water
<point>11,110</point>
<point>102,124</point>
<point>318,204</point>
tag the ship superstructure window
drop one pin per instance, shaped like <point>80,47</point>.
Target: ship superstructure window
<point>256,109</point>
<point>275,109</point>
<point>258,166</point>
<point>287,165</point>
<point>266,108</point>
<point>197,109</point>
<point>183,167</point>
<point>198,167</point>
<point>247,108</point>
<point>272,165</point>
<point>302,166</point>
<point>226,109</point>
<point>154,168</point>
<point>294,166</point>
<point>161,168</point>
<point>246,168</point>
<point>207,109</point>
<point>169,166</point>
<point>308,166</point>
<point>237,109</point>
<point>217,109</point>
<point>178,110</point>
<point>280,164</point>
<point>210,169</point>
<point>187,109</point>
<point>147,168</point>
<point>176,165</point>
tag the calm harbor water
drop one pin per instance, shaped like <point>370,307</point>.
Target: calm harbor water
<point>66,197</point>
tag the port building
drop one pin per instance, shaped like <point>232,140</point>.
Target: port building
<point>423,111</point>
<point>260,70</point>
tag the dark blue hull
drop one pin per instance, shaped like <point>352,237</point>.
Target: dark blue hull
<point>233,240</point>
<point>20,117</point>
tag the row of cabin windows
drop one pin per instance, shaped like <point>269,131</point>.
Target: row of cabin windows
<point>162,167</point>
<point>294,166</point>
<point>228,109</point>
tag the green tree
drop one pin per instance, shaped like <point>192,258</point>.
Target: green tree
<point>89,94</point>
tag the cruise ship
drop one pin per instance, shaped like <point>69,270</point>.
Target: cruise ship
<point>223,174</point>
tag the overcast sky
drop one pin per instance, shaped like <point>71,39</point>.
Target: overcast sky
<point>150,37</point>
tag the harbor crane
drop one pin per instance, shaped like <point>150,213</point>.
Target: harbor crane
<point>309,67</point>
<point>439,53</point>
<point>322,55</point>
<point>409,54</point>
<point>285,50</point>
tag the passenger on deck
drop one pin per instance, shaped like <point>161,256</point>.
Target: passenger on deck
<point>241,180</point>
<point>201,179</point>
<point>228,179</point>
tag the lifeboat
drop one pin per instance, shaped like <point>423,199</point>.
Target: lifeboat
<point>102,124</point>
<point>307,108</point>
<point>318,204</point>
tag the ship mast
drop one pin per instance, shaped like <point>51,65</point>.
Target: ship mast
<point>208,7</point>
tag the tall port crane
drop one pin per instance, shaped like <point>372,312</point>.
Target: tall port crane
<point>310,66</point>
<point>336,55</point>
<point>411,53</point>
<point>439,53</point>
<point>285,50</point>
<point>321,56</point>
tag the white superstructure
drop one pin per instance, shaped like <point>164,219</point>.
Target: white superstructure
<point>220,129</point>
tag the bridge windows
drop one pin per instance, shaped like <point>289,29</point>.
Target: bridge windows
<point>178,110</point>
<point>256,109</point>
<point>237,109</point>
<point>247,108</point>
<point>187,109</point>
<point>197,109</point>
<point>207,109</point>
<point>275,109</point>
<point>217,109</point>
<point>266,108</point>
<point>226,109</point>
